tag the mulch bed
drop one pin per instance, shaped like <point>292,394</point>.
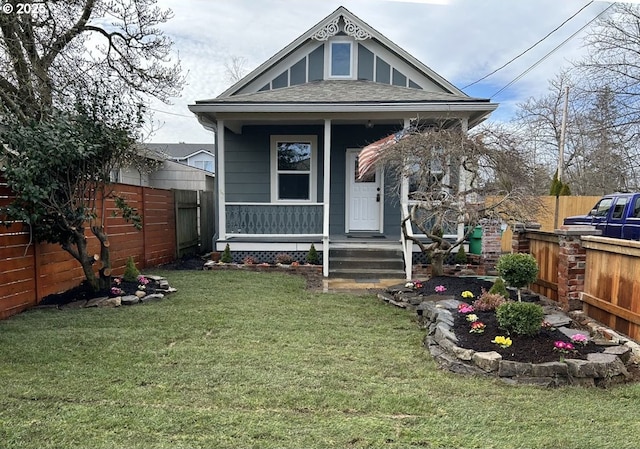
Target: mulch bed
<point>536,349</point>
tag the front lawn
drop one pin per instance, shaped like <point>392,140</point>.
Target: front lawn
<point>246,359</point>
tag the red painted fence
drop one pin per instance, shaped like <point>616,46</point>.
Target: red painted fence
<point>30,271</point>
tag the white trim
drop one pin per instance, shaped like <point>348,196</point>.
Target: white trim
<point>220,176</point>
<point>284,236</point>
<point>328,53</point>
<point>279,203</point>
<point>313,176</point>
<point>347,190</point>
<point>326,196</point>
<point>265,246</point>
<point>421,106</point>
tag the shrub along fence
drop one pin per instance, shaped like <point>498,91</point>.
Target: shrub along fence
<point>30,271</point>
<point>582,270</point>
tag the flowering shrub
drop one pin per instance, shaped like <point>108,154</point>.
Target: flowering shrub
<point>472,317</point>
<point>503,342</point>
<point>465,308</point>
<point>488,301</point>
<point>249,260</point>
<point>477,327</point>
<point>116,291</point>
<point>467,294</point>
<point>440,289</point>
<point>580,339</point>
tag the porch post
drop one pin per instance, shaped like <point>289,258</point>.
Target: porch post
<point>220,177</point>
<point>462,177</point>
<point>407,249</point>
<point>326,197</point>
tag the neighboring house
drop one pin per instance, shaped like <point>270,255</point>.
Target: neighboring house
<point>170,175</point>
<point>197,155</point>
<point>289,133</point>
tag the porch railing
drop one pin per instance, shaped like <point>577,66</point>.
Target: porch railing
<point>274,219</point>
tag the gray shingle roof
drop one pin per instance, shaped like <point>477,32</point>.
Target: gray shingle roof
<point>180,150</point>
<point>343,91</point>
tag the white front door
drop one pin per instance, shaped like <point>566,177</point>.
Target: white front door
<point>364,198</point>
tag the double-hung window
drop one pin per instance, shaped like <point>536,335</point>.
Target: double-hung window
<point>293,167</point>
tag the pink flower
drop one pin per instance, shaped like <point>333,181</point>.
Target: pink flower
<point>441,289</point>
<point>580,338</point>
<point>465,308</point>
<point>563,346</point>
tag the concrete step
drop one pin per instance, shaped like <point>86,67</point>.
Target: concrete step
<point>355,273</point>
<point>382,264</point>
<point>366,262</point>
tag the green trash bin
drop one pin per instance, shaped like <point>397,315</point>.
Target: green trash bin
<point>475,241</point>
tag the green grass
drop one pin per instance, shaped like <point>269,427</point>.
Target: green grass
<point>237,359</point>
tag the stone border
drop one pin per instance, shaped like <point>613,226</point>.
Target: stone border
<point>437,316</point>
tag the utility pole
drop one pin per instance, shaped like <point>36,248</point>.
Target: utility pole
<point>563,129</point>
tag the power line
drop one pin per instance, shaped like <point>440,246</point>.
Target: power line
<point>530,48</point>
<point>552,51</point>
<point>170,113</point>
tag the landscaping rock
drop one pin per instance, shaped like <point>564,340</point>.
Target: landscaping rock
<point>110,302</point>
<point>557,320</point>
<point>152,297</point>
<point>130,300</point>
<point>140,294</point>
<point>75,305</point>
<point>487,361</point>
<point>95,302</point>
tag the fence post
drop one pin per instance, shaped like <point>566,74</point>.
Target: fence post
<point>572,264</point>
<point>519,240</point>
<point>491,243</point>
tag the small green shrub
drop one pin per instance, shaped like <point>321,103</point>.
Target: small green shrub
<point>518,269</point>
<point>312,256</point>
<point>521,318</point>
<point>131,273</point>
<point>461,256</point>
<point>226,255</point>
<point>488,301</point>
<point>284,258</point>
<point>499,288</point>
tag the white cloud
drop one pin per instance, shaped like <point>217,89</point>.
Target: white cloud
<point>462,40</point>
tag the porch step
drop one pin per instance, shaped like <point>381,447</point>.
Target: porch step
<point>366,262</point>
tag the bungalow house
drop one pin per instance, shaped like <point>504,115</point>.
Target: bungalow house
<point>288,137</point>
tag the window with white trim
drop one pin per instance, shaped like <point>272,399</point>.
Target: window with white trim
<point>293,167</point>
<point>341,59</point>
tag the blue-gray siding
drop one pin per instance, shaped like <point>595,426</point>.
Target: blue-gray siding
<point>248,173</point>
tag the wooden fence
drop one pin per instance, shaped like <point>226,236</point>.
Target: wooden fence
<point>599,274</point>
<point>30,271</point>
<point>566,207</point>
<point>544,247</point>
<point>195,221</point>
<point>612,283</point>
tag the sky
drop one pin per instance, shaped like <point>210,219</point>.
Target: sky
<point>462,40</point>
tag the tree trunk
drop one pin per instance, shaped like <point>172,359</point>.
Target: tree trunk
<point>78,249</point>
<point>104,281</point>
<point>437,264</point>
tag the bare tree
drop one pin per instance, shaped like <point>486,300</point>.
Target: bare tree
<point>235,68</point>
<point>62,48</point>
<point>456,179</point>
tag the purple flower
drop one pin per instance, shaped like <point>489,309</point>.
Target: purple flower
<point>440,289</point>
